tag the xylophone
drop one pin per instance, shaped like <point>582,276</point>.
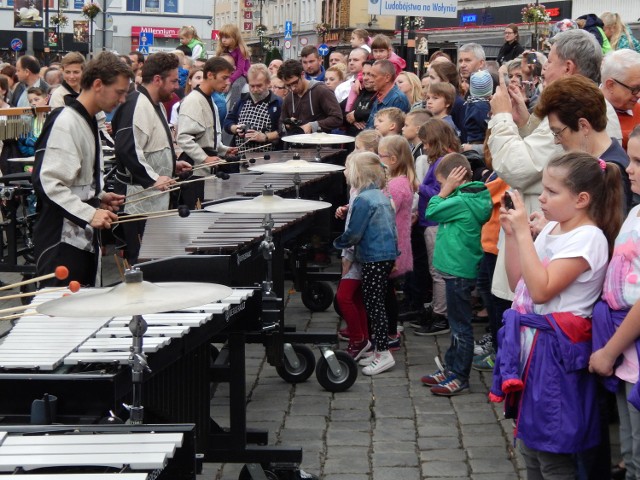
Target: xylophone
<point>84,363</point>
<point>100,452</point>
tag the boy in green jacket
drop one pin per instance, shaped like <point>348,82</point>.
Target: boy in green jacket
<point>461,208</point>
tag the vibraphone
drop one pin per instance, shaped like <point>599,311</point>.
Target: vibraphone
<point>101,452</point>
<point>89,375</point>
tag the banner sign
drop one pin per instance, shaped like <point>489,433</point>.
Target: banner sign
<point>415,8</point>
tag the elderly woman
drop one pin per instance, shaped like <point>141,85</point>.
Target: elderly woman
<point>511,48</point>
<point>577,115</point>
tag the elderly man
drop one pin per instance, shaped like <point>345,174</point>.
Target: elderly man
<point>312,63</point>
<point>357,57</point>
<point>471,58</point>
<point>274,66</point>
<point>28,72</point>
<point>310,106</point>
<point>144,146</point>
<point>383,75</point>
<point>621,87</point>
<point>255,119</point>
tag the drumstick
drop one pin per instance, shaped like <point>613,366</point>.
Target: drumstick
<point>172,189</point>
<point>73,286</point>
<point>61,273</point>
<point>18,315</point>
<point>137,219</point>
<point>16,309</point>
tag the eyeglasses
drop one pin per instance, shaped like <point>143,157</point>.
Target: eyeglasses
<point>508,33</point>
<point>290,85</point>
<point>276,87</point>
<point>633,90</point>
<point>557,134</point>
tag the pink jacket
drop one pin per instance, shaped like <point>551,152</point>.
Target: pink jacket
<point>402,195</point>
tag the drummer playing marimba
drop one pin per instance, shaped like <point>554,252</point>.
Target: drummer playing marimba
<point>144,146</point>
<point>199,125</point>
<point>67,175</point>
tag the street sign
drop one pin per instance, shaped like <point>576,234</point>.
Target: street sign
<point>16,44</point>
<point>143,49</point>
<point>287,44</point>
<point>288,26</point>
<point>108,21</point>
<point>287,36</point>
<point>323,50</point>
<point>304,41</point>
<point>146,39</point>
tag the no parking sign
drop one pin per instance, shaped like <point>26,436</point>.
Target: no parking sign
<point>16,44</point>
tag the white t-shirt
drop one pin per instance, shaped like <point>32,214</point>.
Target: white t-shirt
<point>586,242</point>
<point>342,90</point>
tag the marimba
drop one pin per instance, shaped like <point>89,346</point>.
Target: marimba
<point>100,452</point>
<point>84,363</point>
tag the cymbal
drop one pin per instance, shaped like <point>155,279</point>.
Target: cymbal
<point>296,166</point>
<point>318,138</point>
<point>268,204</point>
<point>138,298</point>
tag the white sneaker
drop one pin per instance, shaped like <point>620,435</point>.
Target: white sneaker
<point>382,362</point>
<point>367,357</point>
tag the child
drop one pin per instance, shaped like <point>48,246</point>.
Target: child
<point>412,123</point>
<point>360,39</point>
<point>615,323</point>
<point>477,106</point>
<point>26,143</point>
<point>545,342</point>
<point>439,101</point>
<point>461,208</point>
<point>349,291</point>
<point>395,153</point>
<point>372,231</point>
<point>438,139</point>
<point>189,37</point>
<point>389,121</point>
<point>232,43</point>
<point>381,50</point>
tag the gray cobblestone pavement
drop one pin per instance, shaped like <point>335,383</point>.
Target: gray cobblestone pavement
<point>384,427</point>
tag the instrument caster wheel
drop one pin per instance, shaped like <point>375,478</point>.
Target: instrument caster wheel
<point>245,473</point>
<point>307,363</point>
<point>317,296</point>
<point>337,382</point>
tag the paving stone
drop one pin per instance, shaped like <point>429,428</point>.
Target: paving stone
<point>396,473</point>
<point>437,443</point>
<point>445,455</point>
<point>394,459</point>
<point>444,469</point>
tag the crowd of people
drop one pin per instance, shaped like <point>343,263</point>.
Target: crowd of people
<point>493,189</point>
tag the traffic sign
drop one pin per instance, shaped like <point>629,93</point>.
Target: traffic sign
<point>323,50</point>
<point>288,26</point>
<point>143,49</point>
<point>287,35</point>
<point>146,39</point>
<point>287,44</point>
<point>304,41</point>
<point>16,44</point>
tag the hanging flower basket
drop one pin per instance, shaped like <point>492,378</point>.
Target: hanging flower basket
<point>533,13</point>
<point>261,30</point>
<point>60,20</point>
<point>91,10</point>
<point>322,29</point>
<point>418,22</point>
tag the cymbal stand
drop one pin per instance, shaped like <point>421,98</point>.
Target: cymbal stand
<point>267,246</point>
<point>318,158</point>
<point>297,181</point>
<point>137,358</point>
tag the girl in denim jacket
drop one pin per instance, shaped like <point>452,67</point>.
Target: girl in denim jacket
<point>372,231</point>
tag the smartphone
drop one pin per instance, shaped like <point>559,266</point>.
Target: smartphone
<point>532,58</point>
<point>508,203</point>
<point>505,77</point>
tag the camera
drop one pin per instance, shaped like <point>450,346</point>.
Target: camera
<point>292,122</point>
<point>505,77</point>
<point>508,202</point>
<point>532,58</point>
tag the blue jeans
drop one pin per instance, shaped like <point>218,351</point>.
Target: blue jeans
<point>460,354</point>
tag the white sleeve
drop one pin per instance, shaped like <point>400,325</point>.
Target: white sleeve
<point>588,243</point>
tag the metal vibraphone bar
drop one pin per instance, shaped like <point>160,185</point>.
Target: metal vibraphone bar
<point>98,452</point>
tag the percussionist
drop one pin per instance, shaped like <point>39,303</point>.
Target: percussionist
<point>144,147</point>
<point>67,176</point>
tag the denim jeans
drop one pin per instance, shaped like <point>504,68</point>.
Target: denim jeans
<point>460,353</point>
<point>495,306</point>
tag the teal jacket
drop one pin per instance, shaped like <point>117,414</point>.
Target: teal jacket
<point>461,215</point>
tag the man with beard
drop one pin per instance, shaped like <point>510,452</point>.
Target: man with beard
<point>255,118</point>
<point>144,147</point>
